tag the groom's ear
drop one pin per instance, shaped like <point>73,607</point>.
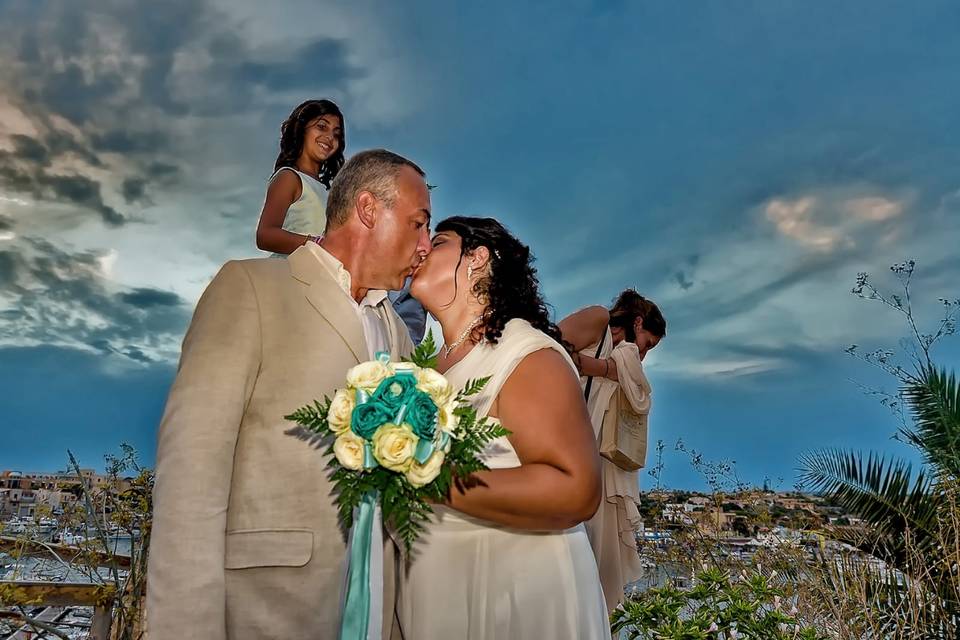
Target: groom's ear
<point>366,206</point>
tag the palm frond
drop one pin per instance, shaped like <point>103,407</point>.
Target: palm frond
<point>883,493</point>
<point>935,403</point>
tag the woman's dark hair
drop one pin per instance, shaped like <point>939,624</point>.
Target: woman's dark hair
<point>291,138</point>
<point>511,290</point>
<point>630,305</point>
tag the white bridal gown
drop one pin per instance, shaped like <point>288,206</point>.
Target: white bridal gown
<point>472,579</point>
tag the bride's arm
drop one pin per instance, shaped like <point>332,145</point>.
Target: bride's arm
<point>558,482</point>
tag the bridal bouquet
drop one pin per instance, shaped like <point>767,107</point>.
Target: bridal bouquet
<point>399,437</point>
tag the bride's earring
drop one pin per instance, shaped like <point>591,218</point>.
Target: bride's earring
<point>469,272</point>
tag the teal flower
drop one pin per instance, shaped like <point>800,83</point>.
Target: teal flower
<point>367,418</point>
<point>394,392</point>
<point>421,415</point>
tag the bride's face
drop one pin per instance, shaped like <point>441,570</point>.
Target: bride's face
<point>435,282</point>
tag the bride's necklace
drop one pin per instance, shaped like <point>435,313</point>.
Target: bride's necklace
<point>463,336</point>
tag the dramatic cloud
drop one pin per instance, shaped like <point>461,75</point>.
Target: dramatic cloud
<point>49,296</point>
<point>27,170</point>
<point>134,189</point>
<point>120,109</point>
<point>146,298</point>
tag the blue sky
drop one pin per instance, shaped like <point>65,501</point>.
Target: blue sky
<point>737,162</point>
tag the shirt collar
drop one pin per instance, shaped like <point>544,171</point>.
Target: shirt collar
<point>341,276</point>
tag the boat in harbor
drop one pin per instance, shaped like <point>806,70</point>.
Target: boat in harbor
<point>16,527</point>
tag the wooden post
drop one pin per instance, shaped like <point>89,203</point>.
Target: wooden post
<point>100,626</point>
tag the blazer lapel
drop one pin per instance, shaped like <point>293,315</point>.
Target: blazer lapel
<point>326,296</point>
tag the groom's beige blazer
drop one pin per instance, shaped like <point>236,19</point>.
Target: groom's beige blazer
<point>245,540</point>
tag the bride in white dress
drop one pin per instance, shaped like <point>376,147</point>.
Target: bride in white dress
<point>506,556</point>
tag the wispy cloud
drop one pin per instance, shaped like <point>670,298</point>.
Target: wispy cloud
<point>769,288</point>
<point>828,220</point>
<point>793,219</point>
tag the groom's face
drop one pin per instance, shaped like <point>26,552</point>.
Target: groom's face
<point>401,236</point>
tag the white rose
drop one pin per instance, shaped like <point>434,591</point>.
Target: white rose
<point>348,448</point>
<point>368,375</point>
<point>394,446</point>
<point>420,475</point>
<point>341,407</point>
<point>446,420</point>
<point>434,385</point>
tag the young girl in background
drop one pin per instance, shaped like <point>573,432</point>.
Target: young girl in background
<point>312,143</point>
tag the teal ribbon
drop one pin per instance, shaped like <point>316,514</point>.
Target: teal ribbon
<point>423,451</point>
<point>369,461</point>
<point>425,448</point>
<point>401,367</point>
<point>356,607</point>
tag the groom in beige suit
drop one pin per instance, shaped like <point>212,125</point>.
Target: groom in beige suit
<point>245,542</point>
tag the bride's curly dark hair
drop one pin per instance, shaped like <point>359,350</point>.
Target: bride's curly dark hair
<point>511,288</point>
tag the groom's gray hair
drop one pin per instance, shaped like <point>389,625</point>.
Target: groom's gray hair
<point>374,170</point>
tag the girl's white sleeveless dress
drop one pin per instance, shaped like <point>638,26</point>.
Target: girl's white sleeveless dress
<point>471,579</point>
<point>308,213</point>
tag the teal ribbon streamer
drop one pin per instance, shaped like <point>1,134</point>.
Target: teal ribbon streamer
<point>423,451</point>
<point>356,607</point>
<point>369,461</point>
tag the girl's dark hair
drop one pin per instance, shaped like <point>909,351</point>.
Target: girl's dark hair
<point>291,138</point>
<point>511,290</point>
<point>630,305</point>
